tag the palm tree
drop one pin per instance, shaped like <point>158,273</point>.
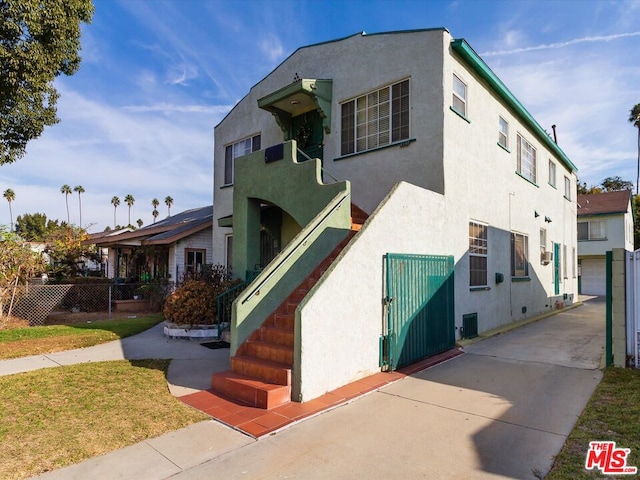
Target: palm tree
<point>168,201</point>
<point>129,200</point>
<point>140,223</point>
<point>115,201</point>
<point>155,202</point>
<point>79,189</point>
<point>634,118</point>
<point>66,189</point>
<point>10,195</point>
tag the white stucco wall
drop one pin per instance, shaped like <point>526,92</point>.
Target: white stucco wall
<point>619,234</point>
<point>341,321</point>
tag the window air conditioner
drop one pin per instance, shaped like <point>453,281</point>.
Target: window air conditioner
<point>546,257</point>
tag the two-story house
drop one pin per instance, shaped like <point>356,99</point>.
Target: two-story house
<point>391,195</point>
<point>605,221</point>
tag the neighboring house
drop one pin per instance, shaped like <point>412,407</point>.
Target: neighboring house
<point>605,221</point>
<point>468,207</point>
<point>164,249</point>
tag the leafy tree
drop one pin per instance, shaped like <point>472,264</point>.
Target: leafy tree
<point>129,200</point>
<point>66,189</point>
<point>39,40</point>
<point>68,252</point>
<point>35,227</point>
<point>115,201</point>
<point>17,263</point>
<point>79,189</point>
<point>168,201</point>
<point>634,119</point>
<point>10,195</point>
<point>615,184</point>
<point>140,223</point>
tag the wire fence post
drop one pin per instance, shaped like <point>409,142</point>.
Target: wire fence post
<point>109,302</point>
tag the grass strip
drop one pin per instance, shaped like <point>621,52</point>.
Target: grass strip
<point>612,414</point>
<point>20,342</point>
<point>68,414</point>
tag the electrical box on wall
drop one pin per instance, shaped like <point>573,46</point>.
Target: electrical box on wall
<point>499,278</point>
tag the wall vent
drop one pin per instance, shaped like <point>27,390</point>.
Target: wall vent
<point>469,325</point>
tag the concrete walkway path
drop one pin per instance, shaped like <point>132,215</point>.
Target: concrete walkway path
<point>502,410</point>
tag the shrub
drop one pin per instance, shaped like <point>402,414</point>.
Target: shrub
<point>194,303</point>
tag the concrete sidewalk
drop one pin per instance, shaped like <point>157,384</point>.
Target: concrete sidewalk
<point>502,410</point>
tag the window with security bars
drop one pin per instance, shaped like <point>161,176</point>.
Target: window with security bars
<point>235,150</point>
<point>519,255</point>
<point>376,119</point>
<point>526,159</point>
<point>478,250</point>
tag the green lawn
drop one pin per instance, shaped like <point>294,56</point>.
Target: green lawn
<point>20,342</point>
<point>60,416</point>
<point>612,414</point>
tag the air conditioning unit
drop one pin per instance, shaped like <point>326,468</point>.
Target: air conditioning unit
<point>546,257</point>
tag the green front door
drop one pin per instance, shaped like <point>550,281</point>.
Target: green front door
<point>556,268</point>
<point>306,130</point>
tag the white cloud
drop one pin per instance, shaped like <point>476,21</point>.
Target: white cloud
<point>271,47</point>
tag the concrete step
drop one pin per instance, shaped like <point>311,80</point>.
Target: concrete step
<point>268,351</point>
<point>265,370</point>
<point>250,390</point>
<point>277,335</point>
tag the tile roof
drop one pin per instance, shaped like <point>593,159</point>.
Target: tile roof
<point>601,203</point>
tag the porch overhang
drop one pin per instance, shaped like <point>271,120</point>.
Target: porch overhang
<point>301,96</point>
<point>226,221</point>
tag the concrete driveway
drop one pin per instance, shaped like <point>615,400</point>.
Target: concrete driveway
<point>502,410</point>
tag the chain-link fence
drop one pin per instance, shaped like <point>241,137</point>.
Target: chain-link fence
<point>38,302</point>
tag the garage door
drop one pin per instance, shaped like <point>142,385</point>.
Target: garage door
<point>593,280</point>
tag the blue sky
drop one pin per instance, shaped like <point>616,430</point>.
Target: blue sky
<point>158,75</point>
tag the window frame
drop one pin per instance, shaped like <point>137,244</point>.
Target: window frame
<point>376,119</point>
<point>253,142</point>
<point>590,236</point>
<point>193,267</point>
<point>567,188</point>
<point>516,271</point>
<point>478,254</point>
<point>456,96</point>
<point>526,157</point>
<point>503,133</point>
<point>552,178</point>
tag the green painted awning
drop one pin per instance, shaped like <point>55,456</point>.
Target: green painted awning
<point>301,96</point>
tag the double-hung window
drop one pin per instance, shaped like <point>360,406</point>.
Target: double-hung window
<point>376,119</point>
<point>526,159</point>
<point>459,100</point>
<point>519,255</point>
<point>552,173</point>
<point>567,188</point>
<point>194,258</point>
<point>235,150</point>
<point>503,133</point>
<point>478,250</point>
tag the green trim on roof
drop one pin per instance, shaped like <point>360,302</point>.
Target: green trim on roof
<point>462,48</point>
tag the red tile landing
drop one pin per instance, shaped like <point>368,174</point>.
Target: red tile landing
<point>257,422</point>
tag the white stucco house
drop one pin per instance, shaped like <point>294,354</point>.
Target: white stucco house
<point>392,196</point>
<point>605,222</point>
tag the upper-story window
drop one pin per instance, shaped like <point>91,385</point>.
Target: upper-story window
<point>552,173</point>
<point>459,101</point>
<point>503,133</point>
<point>592,230</point>
<point>567,188</point>
<point>376,119</point>
<point>235,150</point>
<point>526,159</point>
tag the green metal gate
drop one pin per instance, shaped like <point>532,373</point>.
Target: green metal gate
<point>420,308</point>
